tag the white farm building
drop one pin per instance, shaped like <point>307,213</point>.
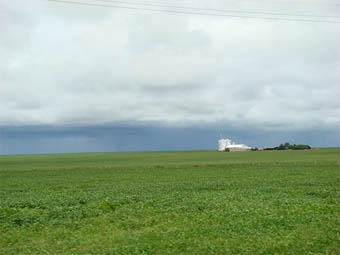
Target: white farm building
<point>224,144</point>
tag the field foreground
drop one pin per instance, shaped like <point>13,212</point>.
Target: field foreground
<point>194,202</point>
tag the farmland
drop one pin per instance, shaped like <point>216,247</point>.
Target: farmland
<point>192,202</point>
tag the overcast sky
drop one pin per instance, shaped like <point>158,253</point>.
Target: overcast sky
<point>72,67</point>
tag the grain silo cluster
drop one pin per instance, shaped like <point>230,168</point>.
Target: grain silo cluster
<point>229,145</point>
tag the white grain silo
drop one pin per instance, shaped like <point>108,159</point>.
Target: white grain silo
<point>222,144</point>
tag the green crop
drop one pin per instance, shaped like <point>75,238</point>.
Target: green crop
<point>194,202</point>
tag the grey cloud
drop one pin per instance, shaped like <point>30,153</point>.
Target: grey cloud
<point>178,38</point>
<point>134,137</point>
<point>80,65</point>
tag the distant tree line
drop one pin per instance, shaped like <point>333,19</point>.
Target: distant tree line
<point>287,146</point>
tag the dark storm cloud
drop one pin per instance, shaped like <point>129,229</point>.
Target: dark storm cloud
<point>132,137</point>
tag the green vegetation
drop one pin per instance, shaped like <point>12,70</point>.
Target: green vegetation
<point>288,146</point>
<point>195,202</point>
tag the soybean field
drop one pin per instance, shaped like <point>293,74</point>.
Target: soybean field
<point>171,202</point>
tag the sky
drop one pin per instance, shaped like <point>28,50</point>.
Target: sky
<point>79,78</point>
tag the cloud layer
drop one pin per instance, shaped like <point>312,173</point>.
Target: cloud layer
<point>75,65</point>
<point>127,137</point>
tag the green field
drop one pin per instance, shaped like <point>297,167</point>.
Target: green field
<point>188,202</point>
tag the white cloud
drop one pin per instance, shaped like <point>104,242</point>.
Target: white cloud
<point>64,64</point>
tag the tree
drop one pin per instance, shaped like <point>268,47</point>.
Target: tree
<point>287,146</point>
<point>281,147</point>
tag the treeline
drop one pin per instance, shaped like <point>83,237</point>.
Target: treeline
<point>287,146</point>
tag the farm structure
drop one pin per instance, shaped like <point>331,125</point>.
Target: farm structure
<point>227,144</point>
